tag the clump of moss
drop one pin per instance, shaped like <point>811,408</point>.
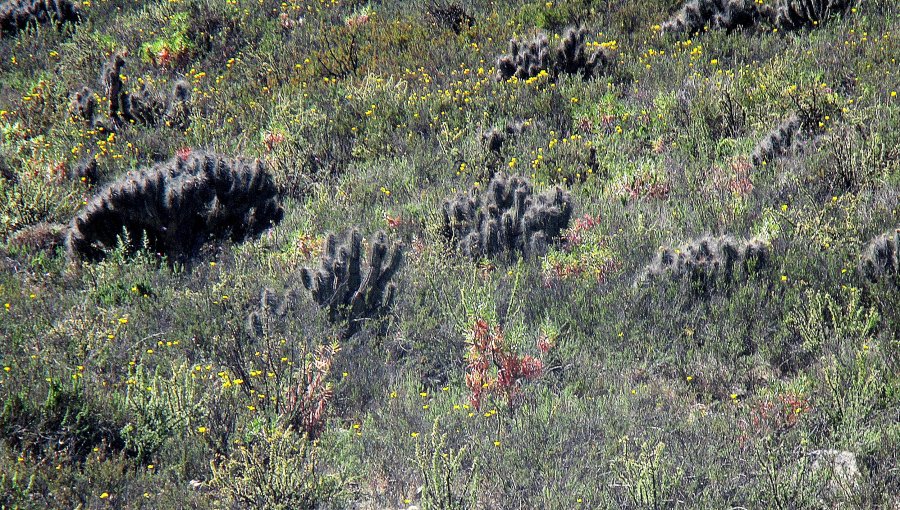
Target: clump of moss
<point>178,207</point>
<point>15,15</point>
<point>571,56</point>
<point>708,261</point>
<point>506,218</point>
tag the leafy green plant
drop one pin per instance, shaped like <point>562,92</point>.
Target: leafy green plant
<point>448,484</point>
<point>644,475</point>
<point>278,469</point>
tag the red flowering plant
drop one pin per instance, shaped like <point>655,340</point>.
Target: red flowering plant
<point>306,402</point>
<point>585,254</point>
<point>494,367</point>
<point>774,415</point>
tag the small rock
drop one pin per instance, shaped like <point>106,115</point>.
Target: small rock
<point>841,468</point>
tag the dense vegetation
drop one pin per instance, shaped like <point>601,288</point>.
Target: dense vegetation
<point>517,254</point>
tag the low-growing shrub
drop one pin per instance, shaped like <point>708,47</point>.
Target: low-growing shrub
<point>339,286</point>
<point>571,56</point>
<point>506,218</point>
<point>279,469</point>
<point>178,207</point>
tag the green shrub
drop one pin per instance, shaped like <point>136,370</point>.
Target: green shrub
<point>280,470</point>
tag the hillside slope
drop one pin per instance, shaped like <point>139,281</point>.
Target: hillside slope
<point>487,254</point>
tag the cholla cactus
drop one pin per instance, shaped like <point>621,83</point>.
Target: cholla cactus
<point>339,285</point>
<point>708,260</point>
<point>272,307</point>
<point>527,60</point>
<point>778,142</point>
<point>495,138</point>
<point>179,111</point>
<point>506,218</point>
<point>451,15</point>
<point>797,14</point>
<point>42,237</point>
<point>18,14</point>
<point>85,171</point>
<point>881,257</point>
<point>178,206</point>
<point>696,15</point>
<point>144,106</point>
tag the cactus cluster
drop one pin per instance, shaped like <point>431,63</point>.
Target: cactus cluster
<point>797,14</point>
<point>777,142</point>
<point>572,56</point>
<point>708,260</point>
<point>698,15</point>
<point>144,106</point>
<point>340,286</point>
<point>451,15</point>
<point>507,218</point>
<point>272,309</point>
<point>881,257</point>
<point>178,206</point>
<point>495,137</point>
<point>15,15</point>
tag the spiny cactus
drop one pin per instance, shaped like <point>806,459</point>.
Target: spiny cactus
<point>708,259</point>
<point>85,171</point>
<point>272,309</point>
<point>778,142</point>
<point>571,56</point>
<point>495,138</point>
<point>506,218</point>
<point>339,286</point>
<point>695,15</point>
<point>179,205</point>
<point>15,15</point>
<point>451,15</point>
<point>881,257</point>
<point>797,14</point>
<point>144,106</point>
<point>179,111</point>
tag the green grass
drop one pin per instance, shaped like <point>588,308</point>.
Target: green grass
<point>119,383</point>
